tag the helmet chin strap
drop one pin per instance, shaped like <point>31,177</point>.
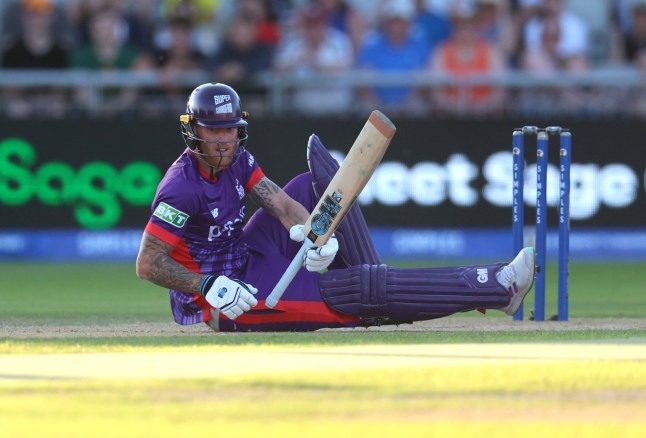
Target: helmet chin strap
<point>213,170</point>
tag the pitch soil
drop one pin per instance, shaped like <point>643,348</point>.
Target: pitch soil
<point>24,330</point>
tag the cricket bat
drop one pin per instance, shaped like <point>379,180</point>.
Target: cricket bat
<point>344,189</point>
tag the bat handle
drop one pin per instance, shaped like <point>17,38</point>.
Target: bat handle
<point>288,276</point>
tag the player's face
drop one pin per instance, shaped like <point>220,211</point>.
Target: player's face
<point>219,145</point>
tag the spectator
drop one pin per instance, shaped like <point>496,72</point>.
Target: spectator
<point>394,48</point>
<point>345,17</point>
<point>135,29</point>
<point>13,24</point>
<point>176,61</point>
<point>521,13</point>
<point>546,56</point>
<point>547,60</point>
<point>106,51</point>
<point>315,47</point>
<point>496,22</point>
<point>436,27</point>
<point>241,56</point>
<point>266,28</point>
<point>572,31</point>
<point>633,40</point>
<point>204,15</point>
<point>466,54</point>
<point>35,47</point>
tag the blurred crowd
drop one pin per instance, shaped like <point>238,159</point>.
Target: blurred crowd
<point>232,41</point>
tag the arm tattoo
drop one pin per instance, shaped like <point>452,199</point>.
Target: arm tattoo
<point>263,191</point>
<point>164,271</point>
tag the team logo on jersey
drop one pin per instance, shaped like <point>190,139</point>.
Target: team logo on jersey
<point>241,213</point>
<point>171,215</point>
<point>322,220</point>
<point>215,213</point>
<point>251,160</point>
<point>240,189</point>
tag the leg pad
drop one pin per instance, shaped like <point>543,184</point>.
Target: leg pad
<point>381,294</point>
<point>355,243</point>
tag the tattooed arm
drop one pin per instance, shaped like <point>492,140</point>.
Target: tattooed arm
<point>155,265</point>
<point>268,195</point>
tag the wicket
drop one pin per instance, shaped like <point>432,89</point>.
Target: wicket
<point>518,215</point>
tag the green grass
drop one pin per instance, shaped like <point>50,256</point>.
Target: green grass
<point>588,398</point>
<point>290,340</point>
<point>80,293</point>
<point>108,292</point>
<point>533,397</point>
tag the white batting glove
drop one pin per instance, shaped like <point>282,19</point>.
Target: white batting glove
<point>231,297</point>
<point>318,258</point>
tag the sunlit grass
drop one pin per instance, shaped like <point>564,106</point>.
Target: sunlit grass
<point>589,397</point>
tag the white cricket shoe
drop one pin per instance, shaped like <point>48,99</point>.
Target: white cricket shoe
<point>518,278</point>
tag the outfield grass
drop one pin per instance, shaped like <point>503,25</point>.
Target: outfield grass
<point>107,292</point>
<point>482,396</point>
<point>557,383</point>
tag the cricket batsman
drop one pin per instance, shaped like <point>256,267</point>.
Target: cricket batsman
<point>219,268</point>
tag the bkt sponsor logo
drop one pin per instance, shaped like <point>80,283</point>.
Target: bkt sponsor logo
<point>171,215</point>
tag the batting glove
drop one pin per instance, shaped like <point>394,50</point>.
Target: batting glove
<point>231,297</point>
<point>318,258</point>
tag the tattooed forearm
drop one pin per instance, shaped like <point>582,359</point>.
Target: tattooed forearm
<point>155,265</point>
<point>279,204</point>
<point>298,216</point>
<point>263,192</point>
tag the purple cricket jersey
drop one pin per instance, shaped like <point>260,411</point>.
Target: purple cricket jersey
<point>203,219</point>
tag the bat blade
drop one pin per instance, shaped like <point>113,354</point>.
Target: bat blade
<point>346,186</point>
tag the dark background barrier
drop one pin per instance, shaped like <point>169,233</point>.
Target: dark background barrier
<point>102,174</point>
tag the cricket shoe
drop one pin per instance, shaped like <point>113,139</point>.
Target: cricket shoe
<point>518,278</point>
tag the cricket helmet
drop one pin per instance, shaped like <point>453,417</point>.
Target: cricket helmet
<point>213,105</point>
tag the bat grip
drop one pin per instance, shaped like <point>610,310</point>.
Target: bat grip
<point>288,276</point>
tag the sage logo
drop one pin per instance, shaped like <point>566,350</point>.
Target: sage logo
<point>96,192</point>
<point>170,215</point>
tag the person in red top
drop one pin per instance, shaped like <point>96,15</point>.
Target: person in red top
<point>464,55</point>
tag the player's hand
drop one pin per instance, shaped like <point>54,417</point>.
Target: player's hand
<point>318,258</point>
<point>231,297</point>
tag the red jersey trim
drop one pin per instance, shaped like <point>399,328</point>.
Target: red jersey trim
<point>182,256</point>
<point>293,311</point>
<point>180,252</point>
<point>162,234</point>
<point>256,176</point>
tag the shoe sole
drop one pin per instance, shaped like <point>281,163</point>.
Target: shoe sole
<point>518,299</point>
